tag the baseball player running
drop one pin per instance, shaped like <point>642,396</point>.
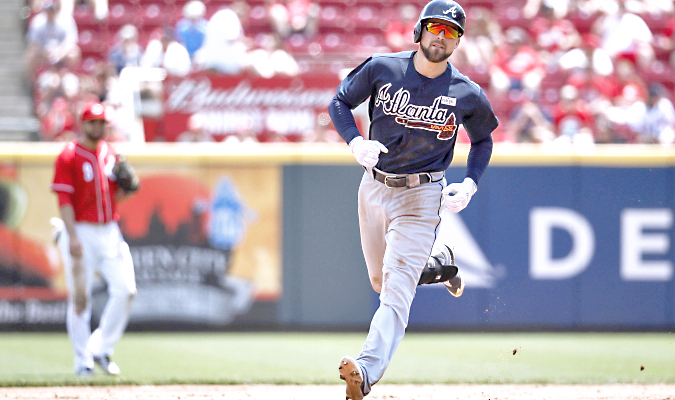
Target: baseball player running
<point>417,102</point>
<point>89,179</point>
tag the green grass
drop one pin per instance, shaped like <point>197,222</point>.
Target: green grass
<point>300,358</point>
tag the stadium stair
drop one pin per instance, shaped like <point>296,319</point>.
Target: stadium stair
<point>17,121</point>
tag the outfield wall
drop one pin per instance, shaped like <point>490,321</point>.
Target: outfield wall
<point>267,237</point>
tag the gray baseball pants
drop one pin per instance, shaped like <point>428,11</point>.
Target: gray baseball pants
<point>398,229</point>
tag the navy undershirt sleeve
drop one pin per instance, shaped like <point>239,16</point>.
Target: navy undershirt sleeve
<point>479,157</point>
<point>343,119</point>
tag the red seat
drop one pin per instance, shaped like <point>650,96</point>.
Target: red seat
<point>122,14</point>
<point>368,19</point>
<point>92,42</point>
<point>511,16</point>
<point>256,21</point>
<point>582,22</point>
<point>158,14</point>
<point>85,19</point>
<point>333,42</point>
<point>657,23</point>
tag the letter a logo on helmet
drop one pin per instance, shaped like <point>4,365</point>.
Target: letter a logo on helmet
<point>452,11</point>
<point>447,10</point>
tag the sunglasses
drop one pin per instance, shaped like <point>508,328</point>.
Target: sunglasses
<point>436,28</point>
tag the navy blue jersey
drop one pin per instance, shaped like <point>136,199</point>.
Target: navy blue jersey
<point>415,117</point>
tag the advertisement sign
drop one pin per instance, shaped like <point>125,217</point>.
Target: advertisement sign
<point>561,247</point>
<point>205,241</point>
<point>32,289</point>
<point>226,105</point>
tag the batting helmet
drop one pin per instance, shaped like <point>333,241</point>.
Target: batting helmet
<point>447,10</point>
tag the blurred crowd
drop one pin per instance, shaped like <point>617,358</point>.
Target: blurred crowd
<point>556,71</point>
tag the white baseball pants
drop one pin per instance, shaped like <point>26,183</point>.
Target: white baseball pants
<point>106,253</point>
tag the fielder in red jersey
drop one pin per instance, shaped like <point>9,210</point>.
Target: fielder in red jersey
<point>90,241</point>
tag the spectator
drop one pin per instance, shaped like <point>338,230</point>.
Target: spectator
<point>654,7</point>
<point>399,31</point>
<point>127,51</point>
<point>165,52</point>
<point>64,17</point>
<point>59,122</point>
<point>275,135</point>
<point>624,34</point>
<point>294,16</point>
<point>53,83</point>
<point>195,131</point>
<point>553,35</point>
<point>516,66</point>
<point>653,120</point>
<point>530,124</point>
<point>101,82</point>
<point>191,29</point>
<point>572,116</point>
<point>588,54</point>
<point>324,131</point>
<point>560,8</point>
<point>629,86</point>
<point>484,35</point>
<point>50,42</point>
<point>98,7</point>
<point>592,86</point>
<point>244,133</point>
<point>224,49</point>
<point>271,59</point>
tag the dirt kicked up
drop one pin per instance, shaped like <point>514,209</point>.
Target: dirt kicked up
<point>327,392</point>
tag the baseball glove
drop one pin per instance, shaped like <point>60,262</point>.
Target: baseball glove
<point>126,176</point>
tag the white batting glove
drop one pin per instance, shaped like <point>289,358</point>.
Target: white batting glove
<point>458,195</point>
<point>367,152</point>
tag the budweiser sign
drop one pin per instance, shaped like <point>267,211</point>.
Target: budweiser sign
<point>194,95</point>
<point>286,105</point>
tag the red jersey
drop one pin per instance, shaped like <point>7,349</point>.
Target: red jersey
<point>86,176</point>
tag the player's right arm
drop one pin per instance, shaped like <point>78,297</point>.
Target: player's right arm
<point>352,91</point>
<point>64,186</point>
<point>68,217</point>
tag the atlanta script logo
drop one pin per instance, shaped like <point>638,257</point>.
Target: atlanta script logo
<point>432,118</point>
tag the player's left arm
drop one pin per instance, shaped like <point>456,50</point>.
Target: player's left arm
<point>126,178</point>
<point>479,126</point>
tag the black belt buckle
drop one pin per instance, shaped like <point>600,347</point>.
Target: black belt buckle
<point>395,181</point>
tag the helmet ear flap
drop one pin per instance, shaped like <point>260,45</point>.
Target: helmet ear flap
<point>417,36</point>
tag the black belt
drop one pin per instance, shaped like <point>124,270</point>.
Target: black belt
<point>408,180</point>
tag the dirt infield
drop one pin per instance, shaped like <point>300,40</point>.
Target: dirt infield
<point>325,392</point>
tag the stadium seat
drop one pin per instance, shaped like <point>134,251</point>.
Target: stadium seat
<point>85,19</point>
<point>368,19</point>
<point>509,16</point>
<point>256,21</point>
<point>657,23</point>
<point>334,19</point>
<point>581,21</point>
<point>122,14</point>
<point>158,14</point>
<point>333,42</point>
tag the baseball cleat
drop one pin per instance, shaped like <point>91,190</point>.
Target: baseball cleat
<point>351,374</point>
<point>455,285</point>
<point>84,372</point>
<point>107,365</point>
